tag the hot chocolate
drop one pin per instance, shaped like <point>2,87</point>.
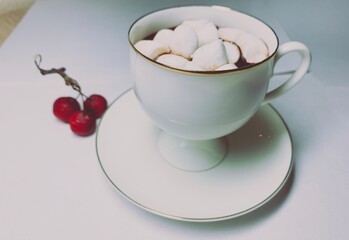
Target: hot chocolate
<point>199,45</point>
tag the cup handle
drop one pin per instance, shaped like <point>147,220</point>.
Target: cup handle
<point>297,75</point>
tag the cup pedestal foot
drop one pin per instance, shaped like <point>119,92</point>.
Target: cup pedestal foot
<point>192,155</point>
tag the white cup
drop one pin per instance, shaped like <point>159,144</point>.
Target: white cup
<point>204,106</point>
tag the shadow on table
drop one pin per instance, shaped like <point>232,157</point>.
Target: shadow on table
<point>244,221</point>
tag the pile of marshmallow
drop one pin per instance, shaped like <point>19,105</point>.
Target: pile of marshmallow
<point>198,45</point>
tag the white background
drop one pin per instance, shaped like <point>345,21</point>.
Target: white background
<point>51,184</point>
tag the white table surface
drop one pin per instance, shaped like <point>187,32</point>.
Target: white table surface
<point>51,184</point>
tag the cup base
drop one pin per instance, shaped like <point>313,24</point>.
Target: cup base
<point>192,155</point>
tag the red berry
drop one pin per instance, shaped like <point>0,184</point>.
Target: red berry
<point>83,123</point>
<point>64,107</point>
<point>96,104</point>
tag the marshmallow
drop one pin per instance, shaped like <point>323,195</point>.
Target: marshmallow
<point>206,33</point>
<point>184,41</point>
<point>233,52</point>
<point>210,56</point>
<point>252,48</point>
<point>205,30</point>
<point>191,66</point>
<point>151,48</point>
<point>172,60</point>
<point>163,37</point>
<point>228,66</point>
<point>229,34</point>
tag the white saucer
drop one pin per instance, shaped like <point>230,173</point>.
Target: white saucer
<point>257,165</point>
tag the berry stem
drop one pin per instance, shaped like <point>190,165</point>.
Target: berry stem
<point>61,71</point>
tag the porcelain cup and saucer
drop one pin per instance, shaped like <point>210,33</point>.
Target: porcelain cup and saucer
<point>199,146</point>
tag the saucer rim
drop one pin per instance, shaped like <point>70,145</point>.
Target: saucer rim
<point>210,219</point>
